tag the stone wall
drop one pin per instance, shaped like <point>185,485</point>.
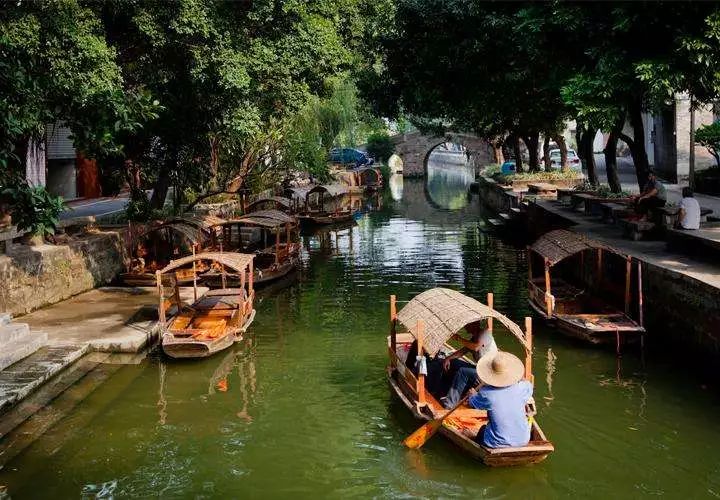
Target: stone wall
<point>33,277</point>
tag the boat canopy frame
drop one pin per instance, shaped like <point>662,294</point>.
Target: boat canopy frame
<point>281,202</point>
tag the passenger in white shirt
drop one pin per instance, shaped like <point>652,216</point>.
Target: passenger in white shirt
<point>689,215</point>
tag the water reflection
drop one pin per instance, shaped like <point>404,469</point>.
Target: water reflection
<point>396,186</point>
<point>448,179</point>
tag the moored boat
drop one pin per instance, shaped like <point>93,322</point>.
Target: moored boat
<point>579,310</point>
<point>270,235</point>
<point>326,204</point>
<point>216,319</point>
<point>431,319</point>
<point>280,203</point>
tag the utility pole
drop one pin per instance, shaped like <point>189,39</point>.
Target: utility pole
<point>691,159</point>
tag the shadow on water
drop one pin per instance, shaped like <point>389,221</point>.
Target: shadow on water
<point>302,407</point>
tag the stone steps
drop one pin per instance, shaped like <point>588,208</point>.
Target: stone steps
<point>22,378</point>
<point>19,343</point>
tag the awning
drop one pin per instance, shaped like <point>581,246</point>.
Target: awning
<point>561,244</point>
<point>235,261</point>
<point>445,312</point>
<point>194,234</point>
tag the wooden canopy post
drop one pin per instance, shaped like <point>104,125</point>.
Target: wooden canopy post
<point>195,290</point>
<point>548,290</point>
<point>242,297</point>
<point>529,259</point>
<point>161,293</point>
<point>528,352</point>
<point>393,324</point>
<point>420,377</point>
<point>628,279</point>
<point>251,278</point>
<point>599,265</point>
<point>277,245</point>
<point>640,305</point>
<point>490,299</point>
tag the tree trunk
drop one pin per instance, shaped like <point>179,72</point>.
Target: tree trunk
<point>162,185</point>
<point>589,157</point>
<point>517,153</point>
<point>560,140</point>
<point>531,141</point>
<point>546,151</point>
<point>498,153</point>
<point>610,152</point>
<point>637,145</point>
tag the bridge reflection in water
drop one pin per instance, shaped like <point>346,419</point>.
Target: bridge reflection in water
<point>448,178</point>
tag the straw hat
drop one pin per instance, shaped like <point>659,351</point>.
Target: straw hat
<point>501,370</point>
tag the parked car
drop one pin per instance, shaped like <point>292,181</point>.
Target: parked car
<point>572,158</point>
<point>508,167</point>
<point>350,156</point>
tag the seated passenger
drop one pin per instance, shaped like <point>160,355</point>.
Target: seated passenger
<point>654,195</point>
<point>461,373</point>
<point>504,396</point>
<point>689,215</point>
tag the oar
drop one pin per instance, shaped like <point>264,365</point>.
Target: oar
<point>426,431</point>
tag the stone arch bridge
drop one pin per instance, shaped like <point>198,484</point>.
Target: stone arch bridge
<point>414,148</point>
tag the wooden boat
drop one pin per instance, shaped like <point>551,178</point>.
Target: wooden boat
<point>214,320</point>
<point>369,177</point>
<point>271,235</point>
<point>157,245</point>
<point>432,318</point>
<point>326,204</point>
<point>578,311</point>
<point>280,203</point>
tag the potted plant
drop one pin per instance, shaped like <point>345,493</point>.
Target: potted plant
<point>35,210</point>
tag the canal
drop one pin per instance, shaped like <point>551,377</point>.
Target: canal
<point>302,408</point>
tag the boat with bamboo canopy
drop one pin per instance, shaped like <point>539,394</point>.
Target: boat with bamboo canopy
<point>154,247</point>
<point>216,319</point>
<point>280,203</point>
<point>431,319</point>
<point>579,311</point>
<point>270,235</point>
<point>326,204</point>
<point>369,177</point>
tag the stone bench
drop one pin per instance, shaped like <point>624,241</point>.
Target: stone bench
<point>636,229</point>
<point>564,194</point>
<point>703,243</point>
<point>543,189</point>
<point>668,216</point>
<point>74,225</point>
<point>613,212</point>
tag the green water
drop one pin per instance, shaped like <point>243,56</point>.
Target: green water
<point>307,411</point>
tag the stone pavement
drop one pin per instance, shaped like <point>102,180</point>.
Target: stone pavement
<point>105,319</point>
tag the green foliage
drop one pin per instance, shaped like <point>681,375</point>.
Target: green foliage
<point>139,208</point>
<point>709,136</point>
<point>380,146</point>
<point>601,190</point>
<point>553,175</point>
<point>33,209</point>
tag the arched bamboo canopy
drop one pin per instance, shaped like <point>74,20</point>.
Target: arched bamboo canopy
<point>445,312</point>
<point>280,202</point>
<point>333,190</point>
<point>196,228</point>
<point>265,218</point>
<point>560,244</point>
<point>238,262</point>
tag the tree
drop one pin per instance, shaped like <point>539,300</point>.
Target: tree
<point>709,136</point>
<point>380,146</point>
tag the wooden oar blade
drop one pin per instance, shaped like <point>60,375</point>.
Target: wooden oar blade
<point>420,436</point>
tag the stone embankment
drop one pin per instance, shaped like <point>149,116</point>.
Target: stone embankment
<point>32,277</point>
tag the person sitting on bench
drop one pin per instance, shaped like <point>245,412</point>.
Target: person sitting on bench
<point>653,195</point>
<point>689,214</point>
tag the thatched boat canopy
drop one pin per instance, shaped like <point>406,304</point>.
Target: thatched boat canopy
<point>196,235</point>
<point>280,202</point>
<point>560,244</point>
<point>265,218</point>
<point>238,262</point>
<point>445,312</point>
<point>333,190</point>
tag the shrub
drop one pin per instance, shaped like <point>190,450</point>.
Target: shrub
<point>380,146</point>
<point>709,136</point>
<point>33,208</point>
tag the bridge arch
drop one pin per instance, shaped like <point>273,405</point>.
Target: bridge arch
<point>415,148</point>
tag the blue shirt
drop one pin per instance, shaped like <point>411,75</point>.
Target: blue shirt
<point>508,425</point>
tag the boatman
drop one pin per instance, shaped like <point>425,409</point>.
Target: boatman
<point>462,374</point>
<point>504,395</point>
